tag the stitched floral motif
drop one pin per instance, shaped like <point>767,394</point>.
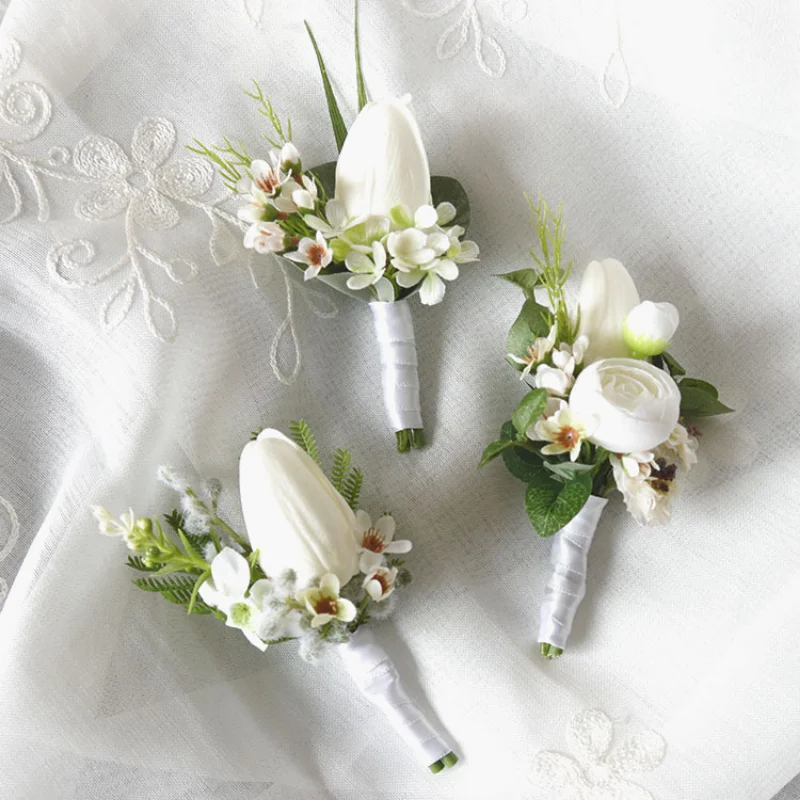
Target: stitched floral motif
<point>600,770</point>
<point>467,23</point>
<point>9,533</point>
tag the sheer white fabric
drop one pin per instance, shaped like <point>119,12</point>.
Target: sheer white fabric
<point>134,331</point>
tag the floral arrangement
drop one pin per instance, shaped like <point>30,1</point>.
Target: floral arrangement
<point>374,224</point>
<point>311,569</point>
<point>609,408</point>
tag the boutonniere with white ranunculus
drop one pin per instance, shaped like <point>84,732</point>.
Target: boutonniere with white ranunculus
<point>312,567</point>
<point>374,225</point>
<point>609,408</point>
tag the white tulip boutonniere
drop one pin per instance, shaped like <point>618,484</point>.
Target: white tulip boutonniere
<point>311,569</point>
<point>608,408</point>
<point>374,225</point>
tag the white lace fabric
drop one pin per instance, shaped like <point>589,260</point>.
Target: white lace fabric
<point>135,330</point>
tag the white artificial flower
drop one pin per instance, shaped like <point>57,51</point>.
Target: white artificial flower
<point>458,251</point>
<point>383,162</point>
<point>565,430</point>
<point>410,249</point>
<point>313,252</point>
<point>649,327</point>
<point>290,160</point>
<point>336,220</point>
<point>537,351</point>
<point>648,495</point>
<point>607,294</point>
<point>637,464</point>
<point>564,360</point>
<point>124,527</point>
<point>380,583</point>
<point>324,604</point>
<point>294,516</point>
<point>368,270</point>
<point>426,217</point>
<point>556,381</point>
<point>229,590</point>
<point>579,347</point>
<point>375,541</point>
<point>637,405</point>
<point>432,276</point>
<point>306,193</point>
<point>265,237</point>
<point>445,213</point>
<point>262,188</point>
<point>681,446</point>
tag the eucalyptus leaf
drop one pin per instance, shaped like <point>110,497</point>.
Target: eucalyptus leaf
<point>566,470</point>
<point>526,279</point>
<point>700,399</point>
<point>529,325</point>
<point>551,505</point>
<point>449,190</point>
<point>521,462</point>
<point>531,408</point>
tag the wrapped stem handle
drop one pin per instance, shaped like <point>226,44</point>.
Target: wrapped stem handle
<point>371,669</point>
<point>394,330</point>
<point>566,586</point>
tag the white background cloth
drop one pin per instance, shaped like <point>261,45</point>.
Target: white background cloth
<point>690,178</point>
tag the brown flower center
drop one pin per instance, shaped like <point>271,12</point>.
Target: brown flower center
<point>567,438</point>
<point>373,540</point>
<point>383,579</point>
<point>326,605</point>
<point>268,183</point>
<point>662,475</point>
<point>315,254</point>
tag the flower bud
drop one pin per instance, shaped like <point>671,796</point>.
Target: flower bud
<point>649,328</point>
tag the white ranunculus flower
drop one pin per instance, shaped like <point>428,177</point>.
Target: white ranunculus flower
<point>607,295</point>
<point>383,163</point>
<point>636,404</point>
<point>294,517</point>
<point>649,327</point>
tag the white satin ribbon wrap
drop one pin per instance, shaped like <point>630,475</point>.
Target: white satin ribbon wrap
<point>394,329</point>
<point>566,586</point>
<point>375,675</point>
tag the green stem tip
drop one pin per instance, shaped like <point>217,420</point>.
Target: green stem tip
<point>451,759</point>
<point>403,441</point>
<point>550,651</point>
<point>437,766</point>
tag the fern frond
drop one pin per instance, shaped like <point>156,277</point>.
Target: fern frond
<point>137,563</point>
<point>174,519</point>
<point>341,466</point>
<point>304,438</point>
<point>351,488</point>
<point>177,589</point>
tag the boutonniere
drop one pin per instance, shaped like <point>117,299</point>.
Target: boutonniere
<point>609,408</point>
<point>374,225</point>
<point>311,569</point>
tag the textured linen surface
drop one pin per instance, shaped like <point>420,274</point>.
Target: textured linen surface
<point>669,131</point>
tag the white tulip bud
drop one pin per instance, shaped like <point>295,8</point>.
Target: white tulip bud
<point>294,517</point>
<point>649,328</point>
<point>636,405</point>
<point>383,163</point>
<point>607,295</point>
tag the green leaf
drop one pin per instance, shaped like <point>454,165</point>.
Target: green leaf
<point>326,175</point>
<point>566,470</point>
<point>362,89</point>
<point>551,505</point>
<point>494,450</point>
<point>337,122</point>
<point>137,563</point>
<point>341,466</point>
<point>449,190</point>
<point>526,279</point>
<point>675,369</point>
<point>177,589</point>
<point>700,399</point>
<point>531,408</point>
<point>304,438</point>
<point>530,324</point>
<point>521,462</point>
<point>351,488</point>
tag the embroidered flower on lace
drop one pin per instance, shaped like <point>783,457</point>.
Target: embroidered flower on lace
<point>600,769</point>
<point>489,54</point>
<point>9,533</point>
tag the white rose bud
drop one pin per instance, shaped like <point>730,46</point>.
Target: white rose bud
<point>383,163</point>
<point>635,404</point>
<point>607,295</point>
<point>293,515</point>
<point>649,328</point>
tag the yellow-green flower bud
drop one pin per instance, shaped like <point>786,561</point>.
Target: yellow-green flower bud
<point>649,327</point>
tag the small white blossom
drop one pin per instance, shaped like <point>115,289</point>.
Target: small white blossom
<point>556,381</point>
<point>324,603</point>
<point>265,237</point>
<point>368,270</point>
<point>648,495</point>
<point>375,541</point>
<point>681,446</point>
<point>304,194</point>
<point>262,188</point>
<point>537,351</point>
<point>565,430</point>
<point>109,525</point>
<point>380,583</point>
<point>336,221</point>
<point>445,213</point>
<point>313,252</point>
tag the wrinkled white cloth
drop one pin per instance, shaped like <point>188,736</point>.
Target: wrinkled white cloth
<point>670,136</point>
